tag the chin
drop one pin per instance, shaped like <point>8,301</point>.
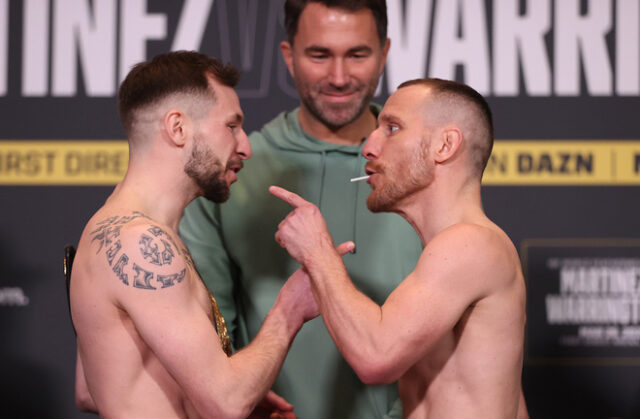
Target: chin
<point>218,199</point>
<point>375,204</point>
<point>218,194</point>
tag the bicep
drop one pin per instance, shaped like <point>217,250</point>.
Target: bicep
<point>164,299</point>
<point>420,313</point>
<point>181,336</point>
<point>429,303</point>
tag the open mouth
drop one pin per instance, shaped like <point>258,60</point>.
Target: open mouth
<point>369,169</point>
<point>235,167</point>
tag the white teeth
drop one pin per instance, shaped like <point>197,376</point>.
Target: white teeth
<point>357,179</point>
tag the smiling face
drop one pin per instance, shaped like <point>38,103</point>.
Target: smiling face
<point>398,151</point>
<point>219,145</point>
<point>336,60</point>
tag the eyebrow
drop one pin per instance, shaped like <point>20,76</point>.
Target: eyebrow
<point>386,118</point>
<point>238,117</point>
<point>326,50</point>
<point>361,48</point>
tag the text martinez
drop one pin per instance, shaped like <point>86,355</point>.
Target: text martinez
<point>503,47</point>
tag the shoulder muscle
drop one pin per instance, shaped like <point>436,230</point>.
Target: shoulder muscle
<point>138,252</point>
<point>469,255</point>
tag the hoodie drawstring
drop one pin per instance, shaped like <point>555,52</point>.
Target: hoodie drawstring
<point>358,167</point>
<point>323,169</point>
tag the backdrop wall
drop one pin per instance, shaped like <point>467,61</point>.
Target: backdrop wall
<point>562,78</point>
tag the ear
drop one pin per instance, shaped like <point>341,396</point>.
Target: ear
<point>287,54</point>
<point>175,127</point>
<point>448,144</point>
<point>385,51</point>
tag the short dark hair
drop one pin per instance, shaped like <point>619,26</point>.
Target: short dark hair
<point>167,74</point>
<point>481,149</point>
<point>293,9</point>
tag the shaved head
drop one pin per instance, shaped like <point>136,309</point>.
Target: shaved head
<point>461,105</point>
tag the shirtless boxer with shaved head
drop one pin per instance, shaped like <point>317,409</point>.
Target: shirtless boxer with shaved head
<point>452,332</point>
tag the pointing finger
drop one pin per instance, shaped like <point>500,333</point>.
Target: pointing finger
<point>289,197</point>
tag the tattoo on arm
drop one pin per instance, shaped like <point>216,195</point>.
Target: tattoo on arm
<point>142,278</point>
<point>169,280</point>
<point>107,235</point>
<point>118,269</point>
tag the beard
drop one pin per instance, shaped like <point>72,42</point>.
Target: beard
<point>208,173</point>
<point>336,115</point>
<point>416,176</point>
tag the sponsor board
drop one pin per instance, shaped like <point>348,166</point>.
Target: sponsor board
<point>583,301</point>
<point>560,162</point>
<point>63,162</point>
<point>526,162</point>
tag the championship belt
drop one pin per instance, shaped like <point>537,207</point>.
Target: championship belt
<point>221,327</point>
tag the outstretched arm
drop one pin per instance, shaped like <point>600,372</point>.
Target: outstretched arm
<point>381,343</point>
<point>153,282</point>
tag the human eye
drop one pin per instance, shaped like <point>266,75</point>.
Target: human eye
<point>360,53</point>
<point>392,128</point>
<point>234,123</point>
<point>318,56</point>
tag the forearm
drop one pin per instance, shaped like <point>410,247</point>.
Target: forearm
<point>254,368</point>
<point>353,320</point>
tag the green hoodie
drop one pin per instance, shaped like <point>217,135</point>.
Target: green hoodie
<point>235,252</point>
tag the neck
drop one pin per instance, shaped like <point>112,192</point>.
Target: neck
<point>161,195</point>
<point>350,134</point>
<point>440,206</point>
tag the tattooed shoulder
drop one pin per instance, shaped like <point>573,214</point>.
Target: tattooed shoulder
<point>139,252</point>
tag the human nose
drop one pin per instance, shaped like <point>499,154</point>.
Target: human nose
<point>339,75</point>
<point>371,149</point>
<point>244,147</point>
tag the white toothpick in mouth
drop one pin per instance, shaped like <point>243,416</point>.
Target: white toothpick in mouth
<point>357,179</point>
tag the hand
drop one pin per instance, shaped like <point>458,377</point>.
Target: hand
<point>304,230</point>
<point>273,407</point>
<point>298,292</point>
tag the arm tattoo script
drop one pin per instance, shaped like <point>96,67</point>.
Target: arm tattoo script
<point>157,247</point>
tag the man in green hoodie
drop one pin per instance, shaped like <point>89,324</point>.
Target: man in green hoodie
<point>336,51</point>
